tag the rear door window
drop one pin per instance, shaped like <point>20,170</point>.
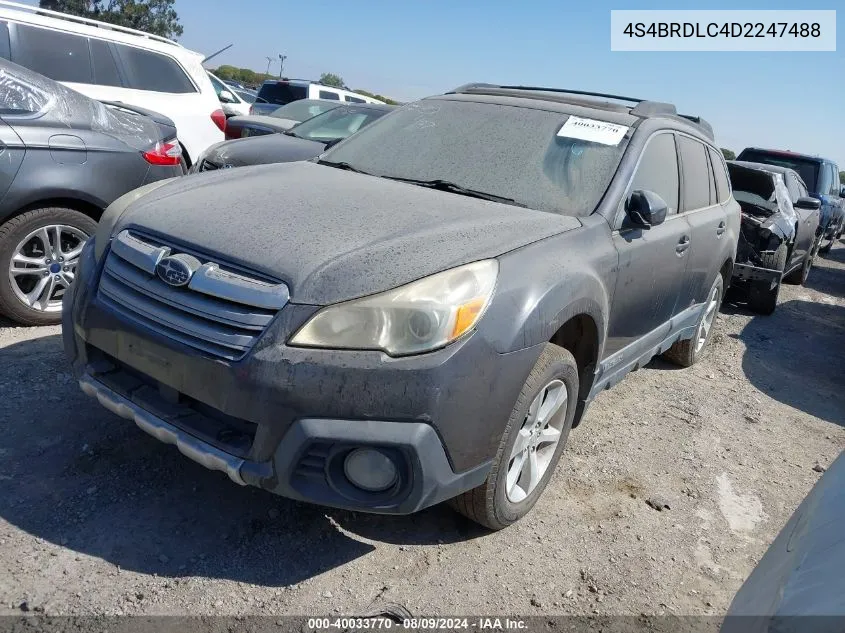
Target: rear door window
<point>354,99</point>
<point>658,170</point>
<point>147,70</point>
<point>723,187</point>
<point>55,54</point>
<point>105,66</point>
<point>327,94</point>
<point>282,93</point>
<point>696,176</point>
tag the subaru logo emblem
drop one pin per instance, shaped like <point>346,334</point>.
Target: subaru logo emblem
<point>227,166</point>
<point>174,271</point>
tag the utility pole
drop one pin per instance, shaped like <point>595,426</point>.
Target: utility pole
<point>282,59</point>
<point>269,61</point>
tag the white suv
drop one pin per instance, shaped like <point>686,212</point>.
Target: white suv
<point>114,63</point>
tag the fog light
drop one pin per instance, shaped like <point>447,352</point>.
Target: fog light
<point>369,470</point>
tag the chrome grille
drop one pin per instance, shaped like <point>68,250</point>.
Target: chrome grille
<point>220,311</point>
<point>207,165</point>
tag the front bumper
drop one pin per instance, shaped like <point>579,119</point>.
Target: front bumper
<point>283,418</point>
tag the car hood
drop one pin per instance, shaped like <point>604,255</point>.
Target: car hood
<point>333,235</point>
<point>259,150</point>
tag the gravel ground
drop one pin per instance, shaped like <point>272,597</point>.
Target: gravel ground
<point>98,518</point>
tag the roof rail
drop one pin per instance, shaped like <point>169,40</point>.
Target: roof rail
<point>74,18</point>
<point>481,86</point>
<point>642,108</point>
<point>704,125</point>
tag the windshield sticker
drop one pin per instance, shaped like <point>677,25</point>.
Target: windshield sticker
<point>593,131</point>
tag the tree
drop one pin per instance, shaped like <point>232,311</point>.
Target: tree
<point>728,154</point>
<point>842,177</point>
<point>331,79</point>
<point>151,16</point>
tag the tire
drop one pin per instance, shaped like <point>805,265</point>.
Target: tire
<point>799,277</point>
<point>824,250</point>
<point>763,299</point>
<point>493,504</point>
<point>16,236</point>
<point>688,352</point>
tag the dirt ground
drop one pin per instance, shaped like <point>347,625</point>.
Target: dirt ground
<point>98,518</point>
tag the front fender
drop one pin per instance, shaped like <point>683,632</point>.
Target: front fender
<point>543,285</point>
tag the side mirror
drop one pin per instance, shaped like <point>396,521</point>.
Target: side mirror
<point>646,209</point>
<point>227,97</point>
<point>810,204</point>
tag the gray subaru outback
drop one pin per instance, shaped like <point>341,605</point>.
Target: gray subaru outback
<point>421,314</point>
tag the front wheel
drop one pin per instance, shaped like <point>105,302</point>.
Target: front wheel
<point>688,352</point>
<point>827,243</point>
<point>531,444</point>
<point>799,277</point>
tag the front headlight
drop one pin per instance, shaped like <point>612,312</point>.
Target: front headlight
<point>418,317</point>
<point>113,212</point>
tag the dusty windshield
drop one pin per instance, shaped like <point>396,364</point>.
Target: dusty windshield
<point>303,109</point>
<point>504,151</point>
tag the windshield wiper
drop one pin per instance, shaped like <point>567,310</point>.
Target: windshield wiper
<point>451,187</point>
<point>342,165</point>
<point>291,133</point>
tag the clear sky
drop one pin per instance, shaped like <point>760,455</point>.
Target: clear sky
<point>407,49</point>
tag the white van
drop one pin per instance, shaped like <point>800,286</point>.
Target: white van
<point>274,93</point>
<point>114,63</point>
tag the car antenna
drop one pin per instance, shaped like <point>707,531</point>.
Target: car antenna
<point>217,53</point>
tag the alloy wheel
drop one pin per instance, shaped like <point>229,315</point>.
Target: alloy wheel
<point>536,441</point>
<point>709,317</point>
<point>44,265</point>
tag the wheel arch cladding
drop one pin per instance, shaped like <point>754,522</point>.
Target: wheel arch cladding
<point>727,271</point>
<point>580,336</point>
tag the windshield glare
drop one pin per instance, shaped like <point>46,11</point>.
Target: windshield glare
<point>496,149</point>
<point>335,124</point>
<point>303,110</point>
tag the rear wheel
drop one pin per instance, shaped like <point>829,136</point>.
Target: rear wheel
<point>687,353</point>
<point>531,444</point>
<point>762,296</point>
<point>39,251</point>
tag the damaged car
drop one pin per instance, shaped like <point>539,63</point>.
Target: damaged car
<point>778,239</point>
<point>422,313</point>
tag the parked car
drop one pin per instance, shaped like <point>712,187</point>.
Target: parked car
<point>306,140</point>
<point>230,101</point>
<point>423,313</point>
<point>246,95</point>
<point>278,120</point>
<point>822,178</point>
<point>234,84</point>
<point>57,145</point>
<point>778,238</point>
<point>798,585</point>
<point>274,93</point>
<point>108,62</point>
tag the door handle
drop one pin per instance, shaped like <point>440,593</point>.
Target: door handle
<point>720,230</point>
<point>683,245</point>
